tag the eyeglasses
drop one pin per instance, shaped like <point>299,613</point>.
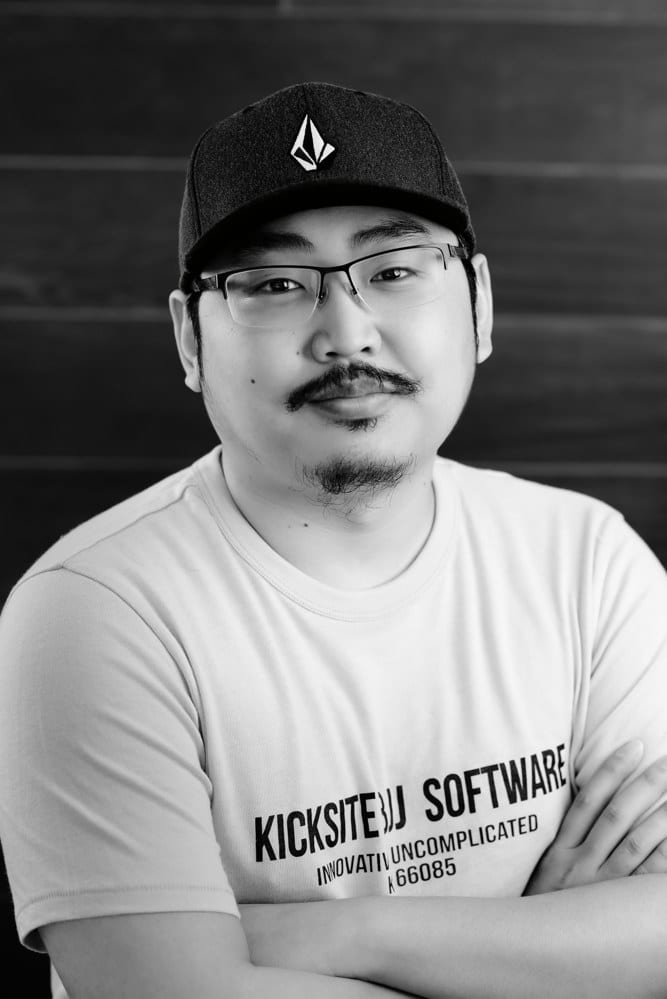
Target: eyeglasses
<point>279,295</point>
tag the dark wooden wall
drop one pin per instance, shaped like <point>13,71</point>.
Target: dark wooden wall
<point>554,112</point>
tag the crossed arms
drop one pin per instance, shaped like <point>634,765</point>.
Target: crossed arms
<point>587,925</point>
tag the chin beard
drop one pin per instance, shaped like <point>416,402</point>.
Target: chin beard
<point>349,484</point>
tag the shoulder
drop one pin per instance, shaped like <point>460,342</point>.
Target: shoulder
<point>133,531</point>
<point>508,520</point>
<point>105,607</point>
<point>504,496</point>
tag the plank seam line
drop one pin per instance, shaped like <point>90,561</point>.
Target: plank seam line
<point>287,10</point>
<point>562,170</point>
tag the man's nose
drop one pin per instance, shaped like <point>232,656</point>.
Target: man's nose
<point>343,324</point>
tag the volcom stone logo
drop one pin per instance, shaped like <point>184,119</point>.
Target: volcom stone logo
<point>310,150</point>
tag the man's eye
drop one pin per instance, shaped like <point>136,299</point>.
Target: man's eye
<point>276,286</point>
<point>391,274</point>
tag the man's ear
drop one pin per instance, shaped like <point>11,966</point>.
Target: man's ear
<point>484,306</point>
<point>186,342</point>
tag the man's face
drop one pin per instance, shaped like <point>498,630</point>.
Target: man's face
<point>347,384</point>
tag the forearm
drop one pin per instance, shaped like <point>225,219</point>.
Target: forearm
<point>606,940</point>
<point>182,953</point>
<point>278,983</point>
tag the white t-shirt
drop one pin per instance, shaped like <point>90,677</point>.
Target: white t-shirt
<point>188,722</point>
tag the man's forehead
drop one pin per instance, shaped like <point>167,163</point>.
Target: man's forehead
<point>360,227</point>
<point>359,224</point>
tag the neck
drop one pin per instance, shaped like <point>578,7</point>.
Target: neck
<point>357,538</point>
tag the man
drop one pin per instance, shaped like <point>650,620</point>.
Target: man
<point>323,667</point>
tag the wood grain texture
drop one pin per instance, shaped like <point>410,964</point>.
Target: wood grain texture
<point>554,390</point>
<point>100,389</point>
<point>568,389</point>
<point>157,9</point>
<point>495,92</point>
<point>577,12</point>
<point>109,238</point>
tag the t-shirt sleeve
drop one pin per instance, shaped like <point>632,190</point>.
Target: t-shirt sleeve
<point>625,694</point>
<point>105,804</point>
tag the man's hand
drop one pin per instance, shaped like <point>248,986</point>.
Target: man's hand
<point>601,836</point>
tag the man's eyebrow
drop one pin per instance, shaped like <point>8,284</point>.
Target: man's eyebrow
<point>257,243</point>
<point>393,227</point>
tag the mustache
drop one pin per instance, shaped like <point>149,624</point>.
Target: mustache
<point>341,375</point>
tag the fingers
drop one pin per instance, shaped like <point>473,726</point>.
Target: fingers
<point>618,829</point>
<point>596,795</point>
<point>604,834</point>
<point>642,851</point>
<point>656,862</point>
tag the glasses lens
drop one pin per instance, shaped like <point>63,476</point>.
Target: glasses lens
<point>272,296</point>
<point>399,279</point>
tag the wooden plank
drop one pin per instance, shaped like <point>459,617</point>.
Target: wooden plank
<point>572,245</point>
<point>99,388</point>
<point>555,389</point>
<point>508,92</point>
<point>145,8</point>
<point>90,238</point>
<point>42,505</point>
<point>602,12</point>
<point>576,390</point>
<point>558,244</point>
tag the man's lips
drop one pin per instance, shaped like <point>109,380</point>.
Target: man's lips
<point>352,390</point>
<point>344,385</point>
<point>353,407</point>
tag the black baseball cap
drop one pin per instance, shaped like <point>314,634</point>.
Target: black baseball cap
<point>307,146</point>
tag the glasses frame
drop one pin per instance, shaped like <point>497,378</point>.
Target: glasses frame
<point>218,281</point>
